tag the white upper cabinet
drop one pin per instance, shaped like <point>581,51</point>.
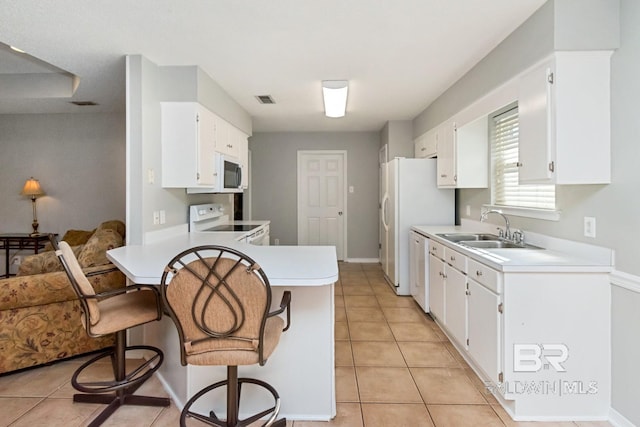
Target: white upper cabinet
<point>241,140</point>
<point>225,138</point>
<point>463,160</point>
<point>188,146</point>
<point>446,163</point>
<point>231,141</point>
<point>564,113</point>
<point>426,145</point>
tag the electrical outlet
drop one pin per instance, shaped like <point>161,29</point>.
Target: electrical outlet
<point>151,176</point>
<point>276,242</point>
<point>468,210</point>
<point>589,226</point>
<point>351,189</point>
<point>156,217</point>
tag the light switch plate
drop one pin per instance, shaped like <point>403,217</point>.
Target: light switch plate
<point>589,226</point>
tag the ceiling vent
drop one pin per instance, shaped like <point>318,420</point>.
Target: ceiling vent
<point>265,99</point>
<point>84,103</point>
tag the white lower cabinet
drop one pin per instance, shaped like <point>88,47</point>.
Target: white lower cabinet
<point>418,268</point>
<point>436,280</point>
<point>484,330</point>
<point>436,287</point>
<point>540,339</point>
<point>456,303</point>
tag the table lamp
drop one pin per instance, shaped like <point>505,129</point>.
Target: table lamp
<point>32,189</point>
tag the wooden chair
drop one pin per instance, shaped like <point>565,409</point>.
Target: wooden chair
<point>113,312</point>
<point>219,299</point>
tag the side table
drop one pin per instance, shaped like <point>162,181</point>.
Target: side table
<point>21,241</point>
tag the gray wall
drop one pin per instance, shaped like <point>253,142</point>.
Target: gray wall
<point>80,162</point>
<point>148,85</point>
<point>274,180</point>
<point>574,24</point>
<point>398,136</point>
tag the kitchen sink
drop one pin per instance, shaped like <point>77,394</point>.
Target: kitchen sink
<point>484,241</point>
<point>460,237</point>
<point>496,244</point>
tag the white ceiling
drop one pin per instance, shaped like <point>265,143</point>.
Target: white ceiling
<point>397,55</point>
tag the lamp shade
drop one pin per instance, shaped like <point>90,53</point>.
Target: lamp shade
<point>32,188</point>
<point>335,97</point>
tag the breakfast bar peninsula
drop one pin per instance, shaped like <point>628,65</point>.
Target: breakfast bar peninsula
<point>302,367</point>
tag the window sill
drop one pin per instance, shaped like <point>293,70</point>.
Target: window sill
<point>544,214</point>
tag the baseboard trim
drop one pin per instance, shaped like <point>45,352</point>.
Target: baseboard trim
<point>362,260</point>
<point>619,420</point>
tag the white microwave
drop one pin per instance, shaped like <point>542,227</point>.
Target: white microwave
<point>229,175</point>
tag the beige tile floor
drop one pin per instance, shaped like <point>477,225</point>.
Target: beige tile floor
<point>394,367</point>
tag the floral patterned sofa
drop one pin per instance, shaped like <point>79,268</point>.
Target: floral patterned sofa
<point>40,315</point>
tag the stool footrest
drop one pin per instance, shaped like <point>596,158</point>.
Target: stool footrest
<point>213,420</point>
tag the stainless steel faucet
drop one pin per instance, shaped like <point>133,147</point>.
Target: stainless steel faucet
<point>507,231</point>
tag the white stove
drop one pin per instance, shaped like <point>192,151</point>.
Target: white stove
<point>210,217</point>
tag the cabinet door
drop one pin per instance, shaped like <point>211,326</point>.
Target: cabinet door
<point>426,145</point>
<point>417,268</point>
<point>535,113</point>
<point>414,244</point>
<point>436,288</point>
<point>446,163</point>
<point>485,330</point>
<point>225,137</point>
<point>243,155</point>
<point>456,304</point>
<point>187,141</point>
<point>206,148</point>
<point>419,147</point>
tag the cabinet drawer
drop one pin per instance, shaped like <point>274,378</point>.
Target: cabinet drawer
<point>455,259</point>
<point>436,249</point>
<point>484,275</point>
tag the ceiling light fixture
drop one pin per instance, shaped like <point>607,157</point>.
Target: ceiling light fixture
<point>335,97</point>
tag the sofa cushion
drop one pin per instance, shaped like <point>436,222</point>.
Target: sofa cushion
<point>114,224</point>
<point>45,262</point>
<point>94,251</point>
<point>77,237</point>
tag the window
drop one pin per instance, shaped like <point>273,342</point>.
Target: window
<point>506,191</point>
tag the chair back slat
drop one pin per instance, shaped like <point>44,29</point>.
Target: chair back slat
<point>79,282</point>
<point>218,298</point>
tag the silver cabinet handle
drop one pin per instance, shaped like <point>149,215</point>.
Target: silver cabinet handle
<point>478,273</point>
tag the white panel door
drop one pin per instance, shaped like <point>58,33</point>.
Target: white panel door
<point>321,199</point>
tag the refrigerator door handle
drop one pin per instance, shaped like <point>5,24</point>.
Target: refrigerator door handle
<point>385,202</point>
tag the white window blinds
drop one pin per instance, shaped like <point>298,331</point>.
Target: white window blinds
<point>504,150</point>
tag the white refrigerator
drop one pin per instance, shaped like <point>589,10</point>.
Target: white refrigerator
<point>410,197</point>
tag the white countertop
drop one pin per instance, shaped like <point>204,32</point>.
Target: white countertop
<point>571,257</point>
<point>283,265</point>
